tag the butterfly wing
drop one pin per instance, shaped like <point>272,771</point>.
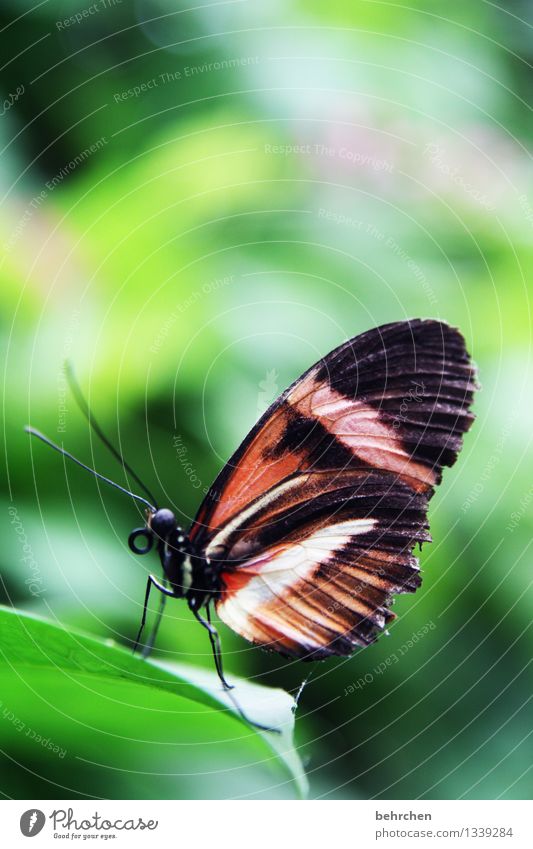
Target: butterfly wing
<point>314,519</point>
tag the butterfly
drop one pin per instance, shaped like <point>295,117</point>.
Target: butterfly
<point>308,532</point>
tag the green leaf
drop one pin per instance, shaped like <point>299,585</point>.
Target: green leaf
<point>91,719</point>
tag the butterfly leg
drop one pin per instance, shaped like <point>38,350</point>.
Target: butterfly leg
<point>163,589</point>
<point>214,639</point>
<point>148,646</point>
<point>217,655</point>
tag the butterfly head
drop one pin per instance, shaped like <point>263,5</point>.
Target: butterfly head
<point>162,523</point>
<point>161,527</point>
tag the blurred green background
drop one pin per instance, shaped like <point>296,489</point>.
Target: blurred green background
<point>200,200</point>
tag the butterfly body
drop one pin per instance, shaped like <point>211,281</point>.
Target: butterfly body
<point>189,573</point>
<point>308,532</point>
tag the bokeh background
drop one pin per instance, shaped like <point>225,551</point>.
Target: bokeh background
<point>198,201</point>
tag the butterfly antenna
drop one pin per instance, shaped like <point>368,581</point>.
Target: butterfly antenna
<point>85,409</point>
<point>33,432</point>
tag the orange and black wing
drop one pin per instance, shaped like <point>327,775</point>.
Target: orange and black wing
<point>313,520</point>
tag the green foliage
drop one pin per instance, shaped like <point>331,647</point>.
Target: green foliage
<point>101,712</point>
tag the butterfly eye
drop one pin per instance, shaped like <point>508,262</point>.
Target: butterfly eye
<point>163,523</point>
<point>134,536</point>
